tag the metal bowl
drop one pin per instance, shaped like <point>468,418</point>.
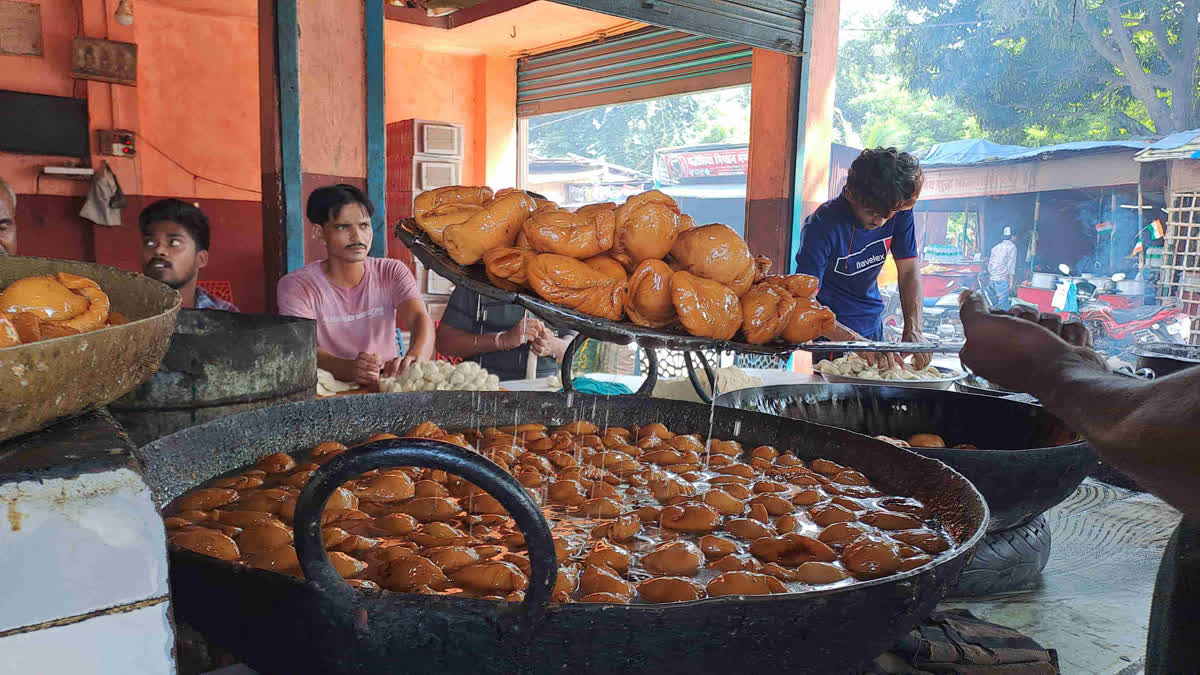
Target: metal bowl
<point>62,377</point>
<point>1028,459</point>
<point>277,623</point>
<point>951,376</point>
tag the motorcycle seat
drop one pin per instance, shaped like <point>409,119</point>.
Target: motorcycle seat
<point>1134,313</point>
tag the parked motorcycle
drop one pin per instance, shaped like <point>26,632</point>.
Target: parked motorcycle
<point>939,318</point>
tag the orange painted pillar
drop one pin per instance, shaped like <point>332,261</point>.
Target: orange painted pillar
<point>818,128</point>
<point>770,179</point>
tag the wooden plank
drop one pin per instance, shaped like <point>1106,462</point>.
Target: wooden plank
<point>20,28</point>
<point>770,176</point>
<point>287,26</point>
<point>376,126</point>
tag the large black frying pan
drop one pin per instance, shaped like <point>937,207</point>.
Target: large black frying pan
<point>1028,460</point>
<point>278,623</point>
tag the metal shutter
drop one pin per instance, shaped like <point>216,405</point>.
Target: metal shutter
<point>638,65</point>
<point>771,24</point>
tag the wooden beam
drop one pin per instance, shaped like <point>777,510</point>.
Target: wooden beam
<point>287,40</point>
<point>483,10</point>
<point>770,180</point>
<point>376,126</point>
<point>415,16</point>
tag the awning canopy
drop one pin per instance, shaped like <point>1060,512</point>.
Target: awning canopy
<point>1179,145</point>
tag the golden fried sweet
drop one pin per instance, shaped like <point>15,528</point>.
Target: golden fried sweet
<point>435,210</point>
<point>490,577</point>
<point>669,589</point>
<point>718,253</point>
<point>791,549</point>
<point>205,541</point>
<point>649,302</point>
<point>706,308</point>
<point>277,560</point>
<point>206,499</point>
<point>505,267</point>
<point>796,285</point>
<point>452,558</point>
<point>930,542</point>
<point>264,538</point>
<point>676,558</point>
<point>810,320</point>
<point>409,572</point>
<point>744,583</point>
<point>577,235</point>
<point>596,579</point>
<point>570,282</point>
<point>886,520</point>
<point>926,441</point>
<point>819,573</point>
<point>605,265</point>
<point>694,518</point>
<point>495,226</point>
<point>766,312</point>
<point>871,556</point>
<point>647,226</point>
<point>62,304</point>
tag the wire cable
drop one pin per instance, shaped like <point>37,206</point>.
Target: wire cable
<point>191,173</point>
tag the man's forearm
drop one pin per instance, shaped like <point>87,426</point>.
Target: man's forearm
<point>463,345</point>
<point>342,369</point>
<point>911,299</point>
<point>1149,429</point>
<point>423,337</point>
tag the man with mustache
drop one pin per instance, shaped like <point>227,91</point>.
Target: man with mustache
<point>175,239</point>
<point>354,298</point>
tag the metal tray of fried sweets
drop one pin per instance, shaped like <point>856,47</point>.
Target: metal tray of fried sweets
<point>474,278</point>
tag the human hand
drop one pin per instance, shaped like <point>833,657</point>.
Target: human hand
<point>882,360</point>
<point>920,360</point>
<point>1015,348</point>
<point>549,344</point>
<point>525,330</point>
<point>366,369</point>
<point>400,364</point>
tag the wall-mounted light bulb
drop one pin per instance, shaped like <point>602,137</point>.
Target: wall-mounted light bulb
<point>124,13</point>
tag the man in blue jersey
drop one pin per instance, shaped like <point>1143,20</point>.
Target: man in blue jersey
<point>846,240</point>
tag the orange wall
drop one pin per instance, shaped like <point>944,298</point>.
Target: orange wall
<point>333,88</point>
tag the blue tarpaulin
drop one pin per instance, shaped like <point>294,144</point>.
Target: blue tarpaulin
<point>978,151</point>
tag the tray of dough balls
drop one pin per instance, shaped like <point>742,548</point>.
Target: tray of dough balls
<point>75,336</point>
<point>641,271</point>
<point>853,369</point>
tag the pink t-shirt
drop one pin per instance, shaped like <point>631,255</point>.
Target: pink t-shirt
<point>349,321</point>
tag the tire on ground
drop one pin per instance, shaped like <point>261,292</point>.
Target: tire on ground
<point>1006,561</point>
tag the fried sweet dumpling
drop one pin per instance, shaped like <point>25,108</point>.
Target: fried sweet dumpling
<point>810,320</point>
<point>436,210</point>
<point>578,235</point>
<point>604,264</point>
<point>506,267</point>
<point>571,282</point>
<point>716,252</point>
<point>649,302</point>
<point>495,226</point>
<point>63,304</point>
<point>706,308</point>
<point>766,312</point>
<point>797,285</point>
<point>647,226</point>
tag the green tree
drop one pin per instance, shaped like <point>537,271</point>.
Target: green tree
<point>875,107</point>
<point>1050,70</point>
<point>628,134</point>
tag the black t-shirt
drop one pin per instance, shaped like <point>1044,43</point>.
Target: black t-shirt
<point>473,313</point>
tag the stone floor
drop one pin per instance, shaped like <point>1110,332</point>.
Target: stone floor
<point>1093,602</point>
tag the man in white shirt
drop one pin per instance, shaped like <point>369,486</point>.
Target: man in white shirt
<point>1002,266</point>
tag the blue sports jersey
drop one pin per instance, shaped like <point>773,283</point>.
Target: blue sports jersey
<point>847,257</point>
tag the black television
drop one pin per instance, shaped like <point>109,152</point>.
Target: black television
<point>36,124</point>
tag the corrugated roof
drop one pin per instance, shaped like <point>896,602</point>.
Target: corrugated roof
<point>1179,145</point>
<point>978,151</point>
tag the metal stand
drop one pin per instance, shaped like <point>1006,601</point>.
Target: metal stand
<point>695,377</point>
<point>568,366</point>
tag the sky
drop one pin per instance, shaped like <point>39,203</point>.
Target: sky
<point>861,14</point>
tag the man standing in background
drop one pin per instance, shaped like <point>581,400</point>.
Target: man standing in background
<point>8,219</point>
<point>1002,267</point>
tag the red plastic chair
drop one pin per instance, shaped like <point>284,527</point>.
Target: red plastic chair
<point>222,290</point>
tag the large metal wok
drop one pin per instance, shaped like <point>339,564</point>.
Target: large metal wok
<point>1028,460</point>
<point>278,623</point>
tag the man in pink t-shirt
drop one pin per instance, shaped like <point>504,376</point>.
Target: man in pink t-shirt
<point>355,299</point>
